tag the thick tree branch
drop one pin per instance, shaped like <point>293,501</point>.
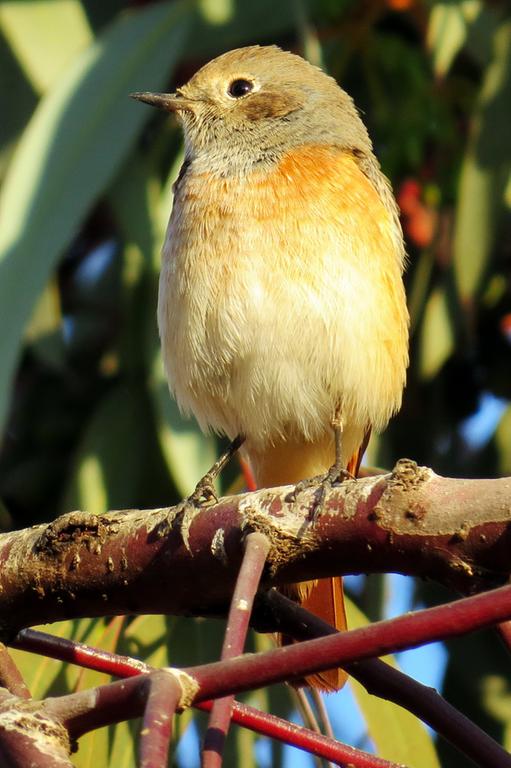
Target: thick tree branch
<point>31,736</point>
<point>411,521</point>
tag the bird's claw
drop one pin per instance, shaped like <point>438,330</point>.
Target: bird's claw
<point>323,483</point>
<point>184,513</point>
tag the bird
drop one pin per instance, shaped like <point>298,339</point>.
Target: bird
<point>281,310</point>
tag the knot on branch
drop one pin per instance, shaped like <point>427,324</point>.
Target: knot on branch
<point>188,686</point>
<point>21,718</point>
<point>73,528</point>
<point>408,475</point>
<point>290,534</point>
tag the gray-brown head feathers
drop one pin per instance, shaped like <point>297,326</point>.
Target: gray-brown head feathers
<point>251,104</point>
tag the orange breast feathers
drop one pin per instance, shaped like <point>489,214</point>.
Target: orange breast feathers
<point>280,300</point>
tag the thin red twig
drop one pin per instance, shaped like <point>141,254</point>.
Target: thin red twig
<point>10,676</point>
<point>162,701</point>
<point>124,700</point>
<point>257,547</point>
<point>383,637</point>
<point>248,475</point>
<point>62,649</point>
<point>398,634</point>
<point>34,641</point>
<point>296,736</point>
<point>388,683</point>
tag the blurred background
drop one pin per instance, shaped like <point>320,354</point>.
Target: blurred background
<point>85,195</point>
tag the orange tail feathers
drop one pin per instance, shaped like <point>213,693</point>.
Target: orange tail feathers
<point>326,600</point>
<point>354,463</point>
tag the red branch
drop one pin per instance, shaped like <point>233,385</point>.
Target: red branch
<point>404,632</point>
<point>384,681</point>
<point>98,707</point>
<point>261,722</point>
<point>303,738</point>
<point>396,634</point>
<point>162,701</point>
<point>412,521</point>
<point>10,676</point>
<point>257,547</point>
<point>26,733</point>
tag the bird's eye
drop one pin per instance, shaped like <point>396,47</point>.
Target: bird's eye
<point>240,87</point>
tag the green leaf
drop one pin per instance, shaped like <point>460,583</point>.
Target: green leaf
<point>123,744</point>
<point>485,172</point>
<point>496,696</point>
<point>419,287</point>
<point>17,102</point>
<point>142,212</point>
<point>476,681</point>
<point>44,331</point>
<point>225,24</point>
<point>398,735</point>
<point>240,748</point>
<point>503,443</point>
<point>35,33</point>
<point>72,146</point>
<point>135,198</point>
<point>189,455</point>
<point>216,11</point>
<point>436,335</point>
<point>108,471</point>
<point>447,31</point>
<point>94,746</point>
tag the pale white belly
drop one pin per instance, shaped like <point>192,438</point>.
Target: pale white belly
<point>269,320</point>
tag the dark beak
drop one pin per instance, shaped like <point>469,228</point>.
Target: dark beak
<point>170,102</point>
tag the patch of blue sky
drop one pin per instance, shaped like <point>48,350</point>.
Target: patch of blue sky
<point>426,663</point>
<point>347,723</point>
<point>263,753</point>
<point>93,267</point>
<point>478,428</point>
<point>187,750</point>
<point>354,584</point>
<point>68,328</point>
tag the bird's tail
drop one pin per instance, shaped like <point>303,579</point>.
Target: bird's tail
<point>325,598</point>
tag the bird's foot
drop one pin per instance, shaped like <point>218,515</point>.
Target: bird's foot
<point>204,495</point>
<point>323,484</point>
<point>184,513</point>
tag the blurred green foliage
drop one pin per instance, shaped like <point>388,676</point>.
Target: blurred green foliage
<point>85,194</point>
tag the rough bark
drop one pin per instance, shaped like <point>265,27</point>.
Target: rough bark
<point>410,521</point>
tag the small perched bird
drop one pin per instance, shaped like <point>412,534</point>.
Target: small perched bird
<point>281,309</point>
